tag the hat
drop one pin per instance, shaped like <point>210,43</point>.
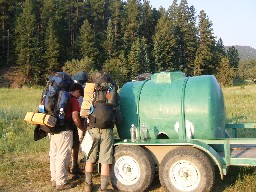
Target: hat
<point>80,77</point>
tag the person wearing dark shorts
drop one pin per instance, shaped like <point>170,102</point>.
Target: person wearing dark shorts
<point>74,169</point>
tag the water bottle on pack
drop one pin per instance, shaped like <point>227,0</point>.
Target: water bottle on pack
<point>61,116</point>
<point>133,132</point>
<point>41,106</point>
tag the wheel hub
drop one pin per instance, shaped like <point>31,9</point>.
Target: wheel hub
<point>127,170</point>
<point>184,175</point>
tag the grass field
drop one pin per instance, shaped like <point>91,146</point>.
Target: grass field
<point>24,163</point>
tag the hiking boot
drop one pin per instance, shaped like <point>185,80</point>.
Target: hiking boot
<point>53,184</point>
<point>63,187</point>
<point>87,187</point>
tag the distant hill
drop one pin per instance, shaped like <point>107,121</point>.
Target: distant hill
<point>245,52</point>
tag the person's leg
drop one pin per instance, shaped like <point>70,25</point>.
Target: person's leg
<point>88,172</point>
<point>52,154</point>
<point>88,177</point>
<point>65,140</point>
<point>104,177</point>
<point>75,166</point>
<point>91,160</point>
<point>74,169</point>
<point>81,137</point>
<point>106,156</point>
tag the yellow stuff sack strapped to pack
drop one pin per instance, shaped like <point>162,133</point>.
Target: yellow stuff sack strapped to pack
<point>87,100</point>
<point>40,119</point>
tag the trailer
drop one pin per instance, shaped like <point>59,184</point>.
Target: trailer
<point>187,135</point>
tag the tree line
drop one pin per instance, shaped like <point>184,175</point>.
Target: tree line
<point>126,38</point>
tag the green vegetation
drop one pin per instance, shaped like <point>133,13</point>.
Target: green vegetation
<point>126,38</point>
<point>24,163</point>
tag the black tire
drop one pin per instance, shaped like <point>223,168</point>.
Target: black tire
<point>186,169</point>
<point>133,169</point>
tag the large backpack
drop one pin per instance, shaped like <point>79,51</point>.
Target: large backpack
<point>105,102</point>
<point>56,96</point>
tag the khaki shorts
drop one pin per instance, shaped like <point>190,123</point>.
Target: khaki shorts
<point>103,146</point>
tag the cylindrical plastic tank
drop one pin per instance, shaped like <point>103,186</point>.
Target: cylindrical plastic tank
<point>175,106</point>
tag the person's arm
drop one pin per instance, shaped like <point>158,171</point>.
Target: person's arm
<point>77,121</point>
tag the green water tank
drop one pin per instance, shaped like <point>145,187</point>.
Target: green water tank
<point>173,105</point>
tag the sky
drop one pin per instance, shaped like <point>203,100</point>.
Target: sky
<point>234,21</point>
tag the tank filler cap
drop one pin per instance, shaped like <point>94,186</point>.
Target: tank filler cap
<point>167,77</point>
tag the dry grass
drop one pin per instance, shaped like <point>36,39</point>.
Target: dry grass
<point>30,172</point>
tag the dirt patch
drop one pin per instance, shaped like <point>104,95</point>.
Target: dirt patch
<point>11,77</point>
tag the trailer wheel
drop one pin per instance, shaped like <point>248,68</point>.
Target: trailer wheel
<point>132,170</point>
<point>186,169</point>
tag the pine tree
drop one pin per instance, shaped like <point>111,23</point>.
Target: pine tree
<point>110,41</point>
<point>164,43</point>
<point>52,49</point>
<point>135,58</point>
<point>86,43</point>
<point>204,63</point>
<point>116,10</point>
<point>27,45</point>
<point>98,15</point>
<point>8,11</point>
<point>225,73</point>
<point>74,19</point>
<point>219,53</point>
<point>186,37</point>
<point>4,32</point>
<point>173,13</point>
<point>147,19</point>
<point>131,24</point>
<point>125,67</point>
<point>117,69</point>
<point>233,57</point>
<point>146,56</point>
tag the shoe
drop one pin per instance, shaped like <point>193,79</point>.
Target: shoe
<point>87,187</point>
<point>53,184</point>
<point>76,171</point>
<point>63,187</point>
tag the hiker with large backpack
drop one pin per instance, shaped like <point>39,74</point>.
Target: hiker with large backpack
<point>59,100</point>
<point>101,123</point>
<point>61,143</point>
<point>80,77</point>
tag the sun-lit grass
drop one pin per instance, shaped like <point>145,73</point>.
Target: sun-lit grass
<point>240,102</point>
<point>24,163</point>
<point>15,134</point>
<point>240,105</point>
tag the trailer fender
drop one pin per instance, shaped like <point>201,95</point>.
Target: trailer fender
<point>212,154</point>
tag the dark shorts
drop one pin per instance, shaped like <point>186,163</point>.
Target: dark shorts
<point>75,137</point>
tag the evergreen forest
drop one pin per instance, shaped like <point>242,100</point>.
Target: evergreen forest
<point>125,38</point>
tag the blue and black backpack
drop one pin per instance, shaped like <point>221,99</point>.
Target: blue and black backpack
<point>55,98</point>
<point>56,94</point>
